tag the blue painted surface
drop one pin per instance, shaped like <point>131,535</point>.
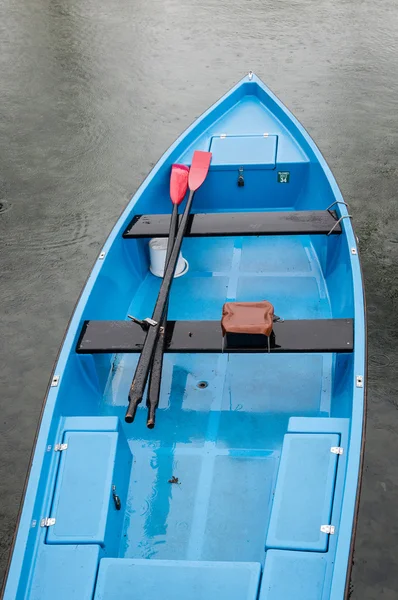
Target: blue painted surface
<point>223,442</point>
<point>304,492</point>
<point>129,579</point>
<point>83,490</point>
<point>83,503</point>
<point>254,152</point>
<point>291,575</point>
<point>65,573</point>
<point>90,424</point>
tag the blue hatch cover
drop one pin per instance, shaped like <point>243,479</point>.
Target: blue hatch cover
<point>248,151</point>
<point>83,493</point>
<point>304,492</point>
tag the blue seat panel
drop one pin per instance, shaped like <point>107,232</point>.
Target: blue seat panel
<point>141,579</point>
<point>293,575</point>
<point>83,505</point>
<point>64,573</point>
<point>304,492</point>
<point>84,488</point>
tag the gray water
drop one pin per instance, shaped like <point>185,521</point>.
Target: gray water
<point>91,94</point>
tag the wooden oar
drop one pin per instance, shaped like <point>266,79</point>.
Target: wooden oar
<point>178,189</point>
<point>197,174</point>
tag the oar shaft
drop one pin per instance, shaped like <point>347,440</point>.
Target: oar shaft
<point>141,374</point>
<point>155,376</point>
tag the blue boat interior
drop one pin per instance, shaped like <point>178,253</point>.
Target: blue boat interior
<point>238,491</point>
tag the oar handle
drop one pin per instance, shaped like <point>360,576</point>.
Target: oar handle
<point>155,376</point>
<point>141,374</point>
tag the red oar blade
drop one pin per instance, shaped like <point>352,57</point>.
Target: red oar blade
<point>199,169</point>
<point>178,183</point>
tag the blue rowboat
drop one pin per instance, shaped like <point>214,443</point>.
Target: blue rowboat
<point>247,487</point>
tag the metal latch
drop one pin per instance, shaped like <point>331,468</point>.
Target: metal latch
<point>116,499</point>
<point>60,447</point>
<point>336,450</point>
<point>327,529</point>
<point>241,181</point>
<point>47,522</point>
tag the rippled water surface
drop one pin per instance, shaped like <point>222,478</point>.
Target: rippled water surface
<point>91,93</point>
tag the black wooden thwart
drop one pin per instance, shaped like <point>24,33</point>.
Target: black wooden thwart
<point>313,335</point>
<point>303,222</point>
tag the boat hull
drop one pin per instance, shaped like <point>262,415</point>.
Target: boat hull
<point>249,482</point>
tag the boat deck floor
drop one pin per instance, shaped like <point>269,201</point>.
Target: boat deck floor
<point>221,419</point>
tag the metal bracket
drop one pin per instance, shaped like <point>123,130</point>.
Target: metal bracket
<point>336,202</point>
<point>327,529</point>
<point>277,319</point>
<point>336,450</point>
<point>337,222</point>
<point>359,381</point>
<point>144,323</point>
<point>150,321</point>
<point>47,522</point>
<point>250,75</point>
<point>55,381</point>
<point>60,447</point>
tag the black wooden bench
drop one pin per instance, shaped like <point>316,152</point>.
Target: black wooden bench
<point>303,222</point>
<point>314,335</point>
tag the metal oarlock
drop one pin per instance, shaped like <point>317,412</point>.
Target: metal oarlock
<point>337,222</point>
<point>336,202</point>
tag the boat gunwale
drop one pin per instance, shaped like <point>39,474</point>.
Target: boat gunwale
<point>347,590</point>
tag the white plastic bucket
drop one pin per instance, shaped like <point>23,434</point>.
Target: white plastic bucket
<point>157,256</point>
